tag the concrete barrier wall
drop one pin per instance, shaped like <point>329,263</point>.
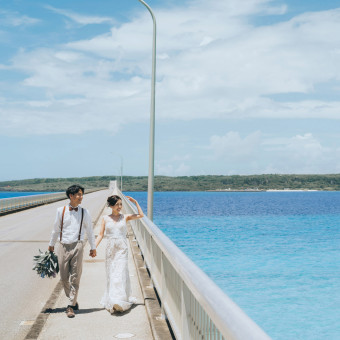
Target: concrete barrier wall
<point>24,202</point>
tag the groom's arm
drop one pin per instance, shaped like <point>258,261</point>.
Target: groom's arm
<point>55,232</point>
<point>90,233</point>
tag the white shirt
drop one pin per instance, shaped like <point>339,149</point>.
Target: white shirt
<point>71,226</point>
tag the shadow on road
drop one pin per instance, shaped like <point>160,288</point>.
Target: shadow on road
<point>63,310</point>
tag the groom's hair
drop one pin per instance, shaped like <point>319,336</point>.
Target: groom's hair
<point>74,189</point>
<point>112,200</point>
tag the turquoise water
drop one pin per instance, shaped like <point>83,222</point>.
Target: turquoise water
<point>275,254</point>
<point>10,194</point>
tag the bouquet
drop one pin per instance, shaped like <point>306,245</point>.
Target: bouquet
<point>46,264</point>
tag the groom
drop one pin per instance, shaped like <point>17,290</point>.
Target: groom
<point>69,226</point>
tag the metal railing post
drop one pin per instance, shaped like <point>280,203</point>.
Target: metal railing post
<point>185,313</point>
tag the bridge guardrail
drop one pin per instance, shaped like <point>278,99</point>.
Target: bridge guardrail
<point>23,202</point>
<point>193,304</point>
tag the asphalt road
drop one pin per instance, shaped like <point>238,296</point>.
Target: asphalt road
<point>23,293</point>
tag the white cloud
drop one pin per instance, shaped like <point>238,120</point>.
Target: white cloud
<point>232,8</point>
<point>175,165</point>
<point>305,146</point>
<point>255,153</point>
<point>166,169</point>
<point>304,154</point>
<point>212,63</point>
<point>14,19</point>
<point>81,19</point>
<point>233,146</point>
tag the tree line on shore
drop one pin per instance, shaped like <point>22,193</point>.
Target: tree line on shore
<point>330,182</point>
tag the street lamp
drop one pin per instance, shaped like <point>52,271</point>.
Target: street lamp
<point>121,172</point>
<point>152,118</point>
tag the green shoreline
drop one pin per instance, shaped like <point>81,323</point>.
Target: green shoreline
<point>249,183</point>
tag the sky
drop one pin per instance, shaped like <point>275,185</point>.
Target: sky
<point>242,87</point>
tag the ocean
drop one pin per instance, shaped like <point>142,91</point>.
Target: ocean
<point>276,254</point>
<point>10,194</point>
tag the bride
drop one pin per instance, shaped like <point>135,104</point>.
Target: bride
<point>117,296</point>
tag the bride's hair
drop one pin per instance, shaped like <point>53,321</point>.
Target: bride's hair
<point>112,200</point>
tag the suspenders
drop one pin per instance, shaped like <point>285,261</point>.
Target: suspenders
<point>81,223</point>
<point>62,222</point>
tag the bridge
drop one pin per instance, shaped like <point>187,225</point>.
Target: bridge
<point>175,298</point>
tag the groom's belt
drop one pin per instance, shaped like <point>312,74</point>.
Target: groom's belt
<point>72,243</point>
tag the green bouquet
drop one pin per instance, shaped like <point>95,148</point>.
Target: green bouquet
<point>46,264</point>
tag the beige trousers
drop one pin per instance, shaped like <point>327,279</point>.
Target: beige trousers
<point>70,266</point>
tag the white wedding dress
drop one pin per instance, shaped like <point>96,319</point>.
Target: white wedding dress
<point>118,289</point>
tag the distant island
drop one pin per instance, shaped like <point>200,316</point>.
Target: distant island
<point>254,183</point>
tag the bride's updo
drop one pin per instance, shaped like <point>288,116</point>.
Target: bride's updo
<point>112,200</point>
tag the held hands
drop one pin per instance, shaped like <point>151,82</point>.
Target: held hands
<point>93,252</point>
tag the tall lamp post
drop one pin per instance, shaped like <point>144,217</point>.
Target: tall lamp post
<point>121,173</point>
<point>152,118</point>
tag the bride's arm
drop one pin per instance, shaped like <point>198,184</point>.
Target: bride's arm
<point>140,211</point>
<point>101,233</point>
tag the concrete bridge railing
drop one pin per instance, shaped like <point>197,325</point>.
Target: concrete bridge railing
<point>23,202</point>
<point>194,305</point>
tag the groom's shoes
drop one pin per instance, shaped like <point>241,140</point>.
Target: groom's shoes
<point>70,312</point>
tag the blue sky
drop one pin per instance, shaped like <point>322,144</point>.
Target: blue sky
<point>243,87</point>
